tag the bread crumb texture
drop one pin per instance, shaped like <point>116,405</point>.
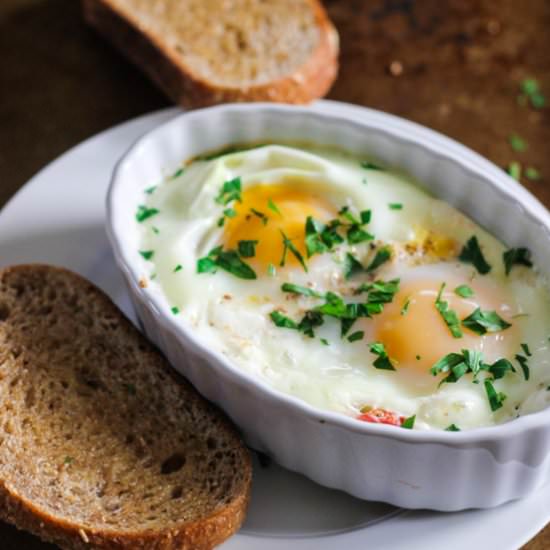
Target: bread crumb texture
<point>232,43</point>
<point>96,431</point>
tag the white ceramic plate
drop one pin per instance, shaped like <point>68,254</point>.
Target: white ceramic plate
<point>58,218</point>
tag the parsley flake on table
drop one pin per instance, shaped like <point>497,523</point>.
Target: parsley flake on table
<point>532,174</point>
<point>471,254</point>
<point>517,143</point>
<point>514,170</point>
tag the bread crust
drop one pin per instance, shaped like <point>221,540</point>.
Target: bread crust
<point>202,534</point>
<point>309,82</point>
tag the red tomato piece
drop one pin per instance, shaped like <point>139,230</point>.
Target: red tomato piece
<point>382,416</point>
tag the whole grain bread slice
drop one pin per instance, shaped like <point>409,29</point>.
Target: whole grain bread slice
<point>202,52</point>
<point>102,443</point>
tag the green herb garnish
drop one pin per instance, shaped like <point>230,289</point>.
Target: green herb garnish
<point>452,428</point>
<point>456,365</point>
<point>383,361</point>
<point>272,206</point>
<point>271,271</point>
<point>260,215</point>
<point>176,174</point>
<point>287,245</point>
<point>448,315</point>
<point>358,335</point>
<point>395,206</point>
<point>495,398</point>
<point>516,256</point>
<point>231,190</point>
<point>303,290</point>
<point>228,260</point>
<point>371,166</point>
<point>144,213</point>
<point>352,266</point>
<point>500,368</point>
<point>382,256</point>
<point>524,366</point>
<point>150,190</point>
<point>405,308</point>
<point>464,291</point>
<point>313,240</point>
<point>247,249</point>
<point>175,310</point>
<point>531,91</point>
<point>526,350</point>
<point>471,254</point>
<point>147,254</point>
<point>179,267</point>
<point>324,341</point>
<point>408,423</point>
<point>482,322</point>
<point>283,321</point>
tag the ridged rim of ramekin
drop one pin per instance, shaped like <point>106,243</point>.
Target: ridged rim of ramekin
<point>435,144</point>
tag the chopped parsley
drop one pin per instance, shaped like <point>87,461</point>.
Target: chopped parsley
<point>464,291</point>
<point>395,206</point>
<point>500,368</point>
<point>143,213</point>
<point>526,350</point>
<point>179,267</point>
<point>380,292</point>
<point>324,341</point>
<point>532,174</point>
<point>524,366</point>
<point>247,249</point>
<point>352,266</point>
<point>227,213</point>
<point>449,316</point>
<point>150,190</point>
<point>283,321</point>
<point>452,428</point>
<point>517,143</point>
<point>482,322</point>
<point>471,254</point>
<point>147,254</point>
<point>228,260</point>
<point>381,257</point>
<point>408,423</point>
<point>531,92</point>
<point>231,190</point>
<point>354,337</point>
<point>155,230</point>
<point>514,170</point>
<point>271,271</point>
<point>314,242</point>
<point>516,256</point>
<point>260,215</point>
<point>495,398</point>
<point>371,166</point>
<point>456,365</point>
<point>405,308</point>
<point>176,174</point>
<point>272,206</point>
<point>303,290</point>
<point>287,245</point>
<point>382,361</point>
<point>175,310</point>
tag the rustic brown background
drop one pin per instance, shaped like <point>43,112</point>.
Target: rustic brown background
<point>455,66</point>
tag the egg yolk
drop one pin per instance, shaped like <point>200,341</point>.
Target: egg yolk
<point>417,338</point>
<point>268,210</point>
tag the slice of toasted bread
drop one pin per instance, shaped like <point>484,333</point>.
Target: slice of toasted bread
<point>202,52</point>
<point>102,444</point>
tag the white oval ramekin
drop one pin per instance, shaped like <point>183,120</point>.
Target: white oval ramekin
<point>413,469</point>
